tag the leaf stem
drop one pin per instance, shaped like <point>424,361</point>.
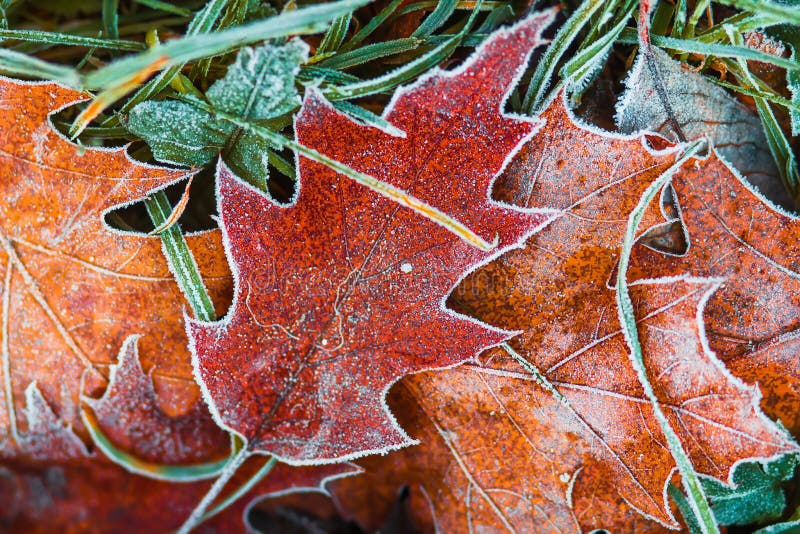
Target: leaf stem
<point>241,490</point>
<point>197,515</point>
<point>180,259</point>
<point>627,318</point>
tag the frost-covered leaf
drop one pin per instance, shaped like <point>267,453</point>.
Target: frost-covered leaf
<point>581,448</point>
<point>179,132</point>
<point>701,109</point>
<point>758,495</point>
<point>259,86</point>
<point>75,289</point>
<point>734,234</point>
<point>341,294</point>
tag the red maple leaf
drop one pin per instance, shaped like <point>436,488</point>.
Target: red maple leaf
<point>340,294</point>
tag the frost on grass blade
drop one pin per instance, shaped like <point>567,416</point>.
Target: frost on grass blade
<point>340,294</point>
<point>702,109</point>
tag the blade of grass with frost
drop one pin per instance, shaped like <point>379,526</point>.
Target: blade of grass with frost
<point>368,53</point>
<point>371,26</point>
<point>186,49</point>
<point>180,259</point>
<point>169,473</point>
<point>19,64</point>
<point>335,35</point>
<point>627,318</point>
<point>786,12</point>
<point>692,46</point>
<point>406,72</point>
<point>581,70</point>
<point>566,35</point>
<point>57,38</point>
<point>742,22</point>
<point>434,21</point>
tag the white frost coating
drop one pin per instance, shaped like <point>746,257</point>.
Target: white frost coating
<point>702,110</point>
<point>221,325</point>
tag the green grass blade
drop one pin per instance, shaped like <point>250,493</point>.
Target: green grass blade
<point>169,473</point>
<point>193,47</point>
<point>434,21</point>
<point>692,46</point>
<point>396,77</point>
<point>371,26</point>
<point>785,12</point>
<point>57,38</point>
<point>23,65</point>
<point>627,318</point>
<point>335,35</point>
<point>180,259</point>
<point>257,477</point>
<point>540,81</point>
<point>368,53</point>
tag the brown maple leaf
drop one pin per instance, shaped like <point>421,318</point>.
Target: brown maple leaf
<point>735,234</point>
<point>74,289</point>
<point>341,293</point>
<point>501,451</point>
<point>583,451</point>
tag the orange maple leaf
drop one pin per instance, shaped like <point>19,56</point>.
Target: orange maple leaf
<point>562,436</point>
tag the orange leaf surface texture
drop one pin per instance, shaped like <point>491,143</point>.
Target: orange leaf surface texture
<point>553,433</point>
<point>343,292</point>
<point>81,303</point>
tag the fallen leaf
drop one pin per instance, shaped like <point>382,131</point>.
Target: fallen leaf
<point>74,289</point>
<point>500,450</point>
<point>734,234</point>
<point>701,109</point>
<point>341,293</point>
